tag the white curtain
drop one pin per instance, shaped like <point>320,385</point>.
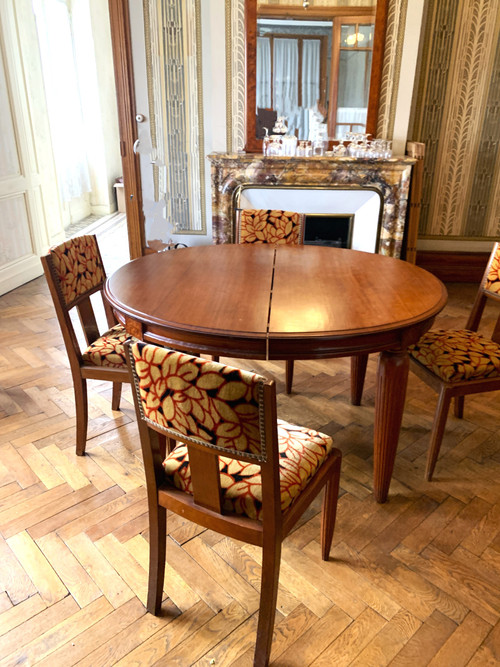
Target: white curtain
<point>286,84</point>
<point>263,73</point>
<point>310,73</point>
<point>63,99</point>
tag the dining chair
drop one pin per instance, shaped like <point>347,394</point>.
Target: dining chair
<point>271,226</point>
<point>236,469</point>
<point>457,362</point>
<point>75,272</point>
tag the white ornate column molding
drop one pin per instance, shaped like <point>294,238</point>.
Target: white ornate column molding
<point>235,75</point>
<point>393,50</point>
<point>173,61</point>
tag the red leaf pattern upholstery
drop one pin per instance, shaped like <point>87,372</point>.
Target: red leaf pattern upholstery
<point>220,406</point>
<point>270,226</point>
<point>78,266</point>
<point>302,451</point>
<point>492,283</point>
<point>108,350</point>
<point>191,396</point>
<point>455,355</point>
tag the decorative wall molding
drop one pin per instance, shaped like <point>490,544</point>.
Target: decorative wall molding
<point>462,116</point>
<point>455,113</point>
<point>396,19</point>
<point>235,75</point>
<point>173,61</point>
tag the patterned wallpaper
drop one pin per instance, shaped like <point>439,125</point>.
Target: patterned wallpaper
<point>456,113</point>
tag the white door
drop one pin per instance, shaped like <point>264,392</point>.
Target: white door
<point>30,218</point>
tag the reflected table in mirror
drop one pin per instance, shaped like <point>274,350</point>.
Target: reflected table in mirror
<point>287,302</point>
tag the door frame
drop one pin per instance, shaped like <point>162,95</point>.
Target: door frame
<point>125,96</point>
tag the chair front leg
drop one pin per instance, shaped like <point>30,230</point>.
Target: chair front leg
<point>82,416</point>
<point>157,554</point>
<point>271,556</point>
<point>117,393</point>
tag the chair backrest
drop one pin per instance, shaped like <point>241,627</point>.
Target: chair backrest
<point>269,226</point>
<point>488,289</point>
<point>491,280</point>
<point>214,409</point>
<point>74,271</point>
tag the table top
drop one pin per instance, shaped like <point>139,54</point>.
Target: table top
<point>275,302</point>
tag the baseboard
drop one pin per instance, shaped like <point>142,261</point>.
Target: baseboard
<point>454,267</point>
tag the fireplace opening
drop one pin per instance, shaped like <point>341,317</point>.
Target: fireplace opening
<point>334,231</point>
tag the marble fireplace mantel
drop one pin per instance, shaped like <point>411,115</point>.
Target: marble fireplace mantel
<point>390,177</point>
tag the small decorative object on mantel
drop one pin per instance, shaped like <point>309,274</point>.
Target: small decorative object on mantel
<point>359,146</point>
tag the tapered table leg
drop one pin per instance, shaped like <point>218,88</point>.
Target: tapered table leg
<point>392,378</point>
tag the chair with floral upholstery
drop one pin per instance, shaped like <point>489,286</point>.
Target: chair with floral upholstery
<point>74,271</point>
<point>271,226</point>
<point>235,469</point>
<point>457,362</point>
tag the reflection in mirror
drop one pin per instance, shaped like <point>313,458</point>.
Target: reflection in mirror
<point>314,73</point>
<point>317,67</point>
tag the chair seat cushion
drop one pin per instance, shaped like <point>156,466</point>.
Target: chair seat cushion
<point>302,451</point>
<point>457,355</point>
<point>108,350</point>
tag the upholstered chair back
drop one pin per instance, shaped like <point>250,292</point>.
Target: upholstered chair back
<point>200,401</point>
<point>491,282</point>
<point>78,266</point>
<point>269,226</point>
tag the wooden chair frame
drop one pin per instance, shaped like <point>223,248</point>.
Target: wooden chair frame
<point>458,389</point>
<point>80,370</point>
<point>204,507</point>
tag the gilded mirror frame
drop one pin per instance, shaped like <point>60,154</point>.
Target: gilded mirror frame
<point>254,145</point>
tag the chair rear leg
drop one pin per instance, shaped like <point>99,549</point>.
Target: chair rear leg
<point>289,375</point>
<point>459,406</point>
<point>329,510</point>
<point>271,555</point>
<point>440,417</point>
<point>157,554</point>
<point>82,414</point>
<point>117,394</point>
<point>358,372</point>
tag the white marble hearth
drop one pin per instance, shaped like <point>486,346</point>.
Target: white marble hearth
<point>364,204</point>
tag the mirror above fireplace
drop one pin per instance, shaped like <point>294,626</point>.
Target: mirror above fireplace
<point>323,59</point>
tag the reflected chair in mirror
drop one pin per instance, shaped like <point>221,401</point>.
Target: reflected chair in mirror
<point>74,272</point>
<point>271,226</point>
<point>215,453</point>
<point>457,362</point>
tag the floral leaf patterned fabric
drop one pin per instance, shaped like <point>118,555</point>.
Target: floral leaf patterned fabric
<point>455,355</point>
<point>77,266</point>
<point>270,226</point>
<point>195,398</point>
<point>108,350</point>
<point>492,283</point>
<point>302,451</point>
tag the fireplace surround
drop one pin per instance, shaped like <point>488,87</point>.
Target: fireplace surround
<point>232,173</point>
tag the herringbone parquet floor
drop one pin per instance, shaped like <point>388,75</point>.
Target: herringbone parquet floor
<point>415,581</point>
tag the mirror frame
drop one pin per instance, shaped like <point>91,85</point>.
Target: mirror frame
<point>254,145</point>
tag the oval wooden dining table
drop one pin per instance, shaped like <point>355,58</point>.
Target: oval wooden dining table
<point>287,302</point>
